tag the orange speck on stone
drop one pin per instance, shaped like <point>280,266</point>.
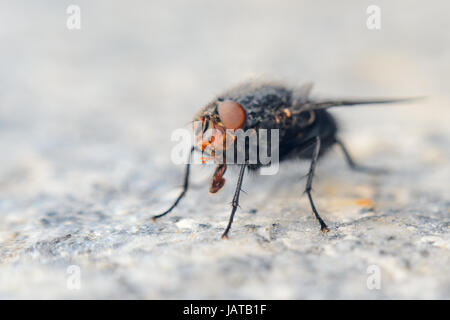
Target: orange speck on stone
<point>367,203</point>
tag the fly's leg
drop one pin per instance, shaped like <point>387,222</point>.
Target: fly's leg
<point>351,163</point>
<point>315,157</point>
<point>235,203</point>
<point>185,188</point>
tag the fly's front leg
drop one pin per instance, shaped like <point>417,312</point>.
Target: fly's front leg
<point>354,166</point>
<point>183,192</point>
<point>315,157</point>
<point>235,203</point>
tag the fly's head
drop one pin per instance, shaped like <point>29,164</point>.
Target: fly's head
<point>219,120</point>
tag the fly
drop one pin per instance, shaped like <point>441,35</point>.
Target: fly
<point>306,130</point>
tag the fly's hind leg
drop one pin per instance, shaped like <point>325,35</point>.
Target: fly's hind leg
<point>315,157</point>
<point>353,165</point>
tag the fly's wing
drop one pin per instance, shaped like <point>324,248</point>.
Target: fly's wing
<point>318,105</point>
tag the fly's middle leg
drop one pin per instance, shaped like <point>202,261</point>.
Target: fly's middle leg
<point>315,157</point>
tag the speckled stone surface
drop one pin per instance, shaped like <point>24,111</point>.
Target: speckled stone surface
<point>85,123</point>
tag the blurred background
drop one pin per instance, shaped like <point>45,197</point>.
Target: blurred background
<point>85,123</point>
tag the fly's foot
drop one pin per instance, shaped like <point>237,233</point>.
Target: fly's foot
<point>370,170</point>
<point>156,217</point>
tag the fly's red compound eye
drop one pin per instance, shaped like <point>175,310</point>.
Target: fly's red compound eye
<point>231,114</point>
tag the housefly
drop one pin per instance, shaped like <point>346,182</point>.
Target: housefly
<point>306,130</point>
